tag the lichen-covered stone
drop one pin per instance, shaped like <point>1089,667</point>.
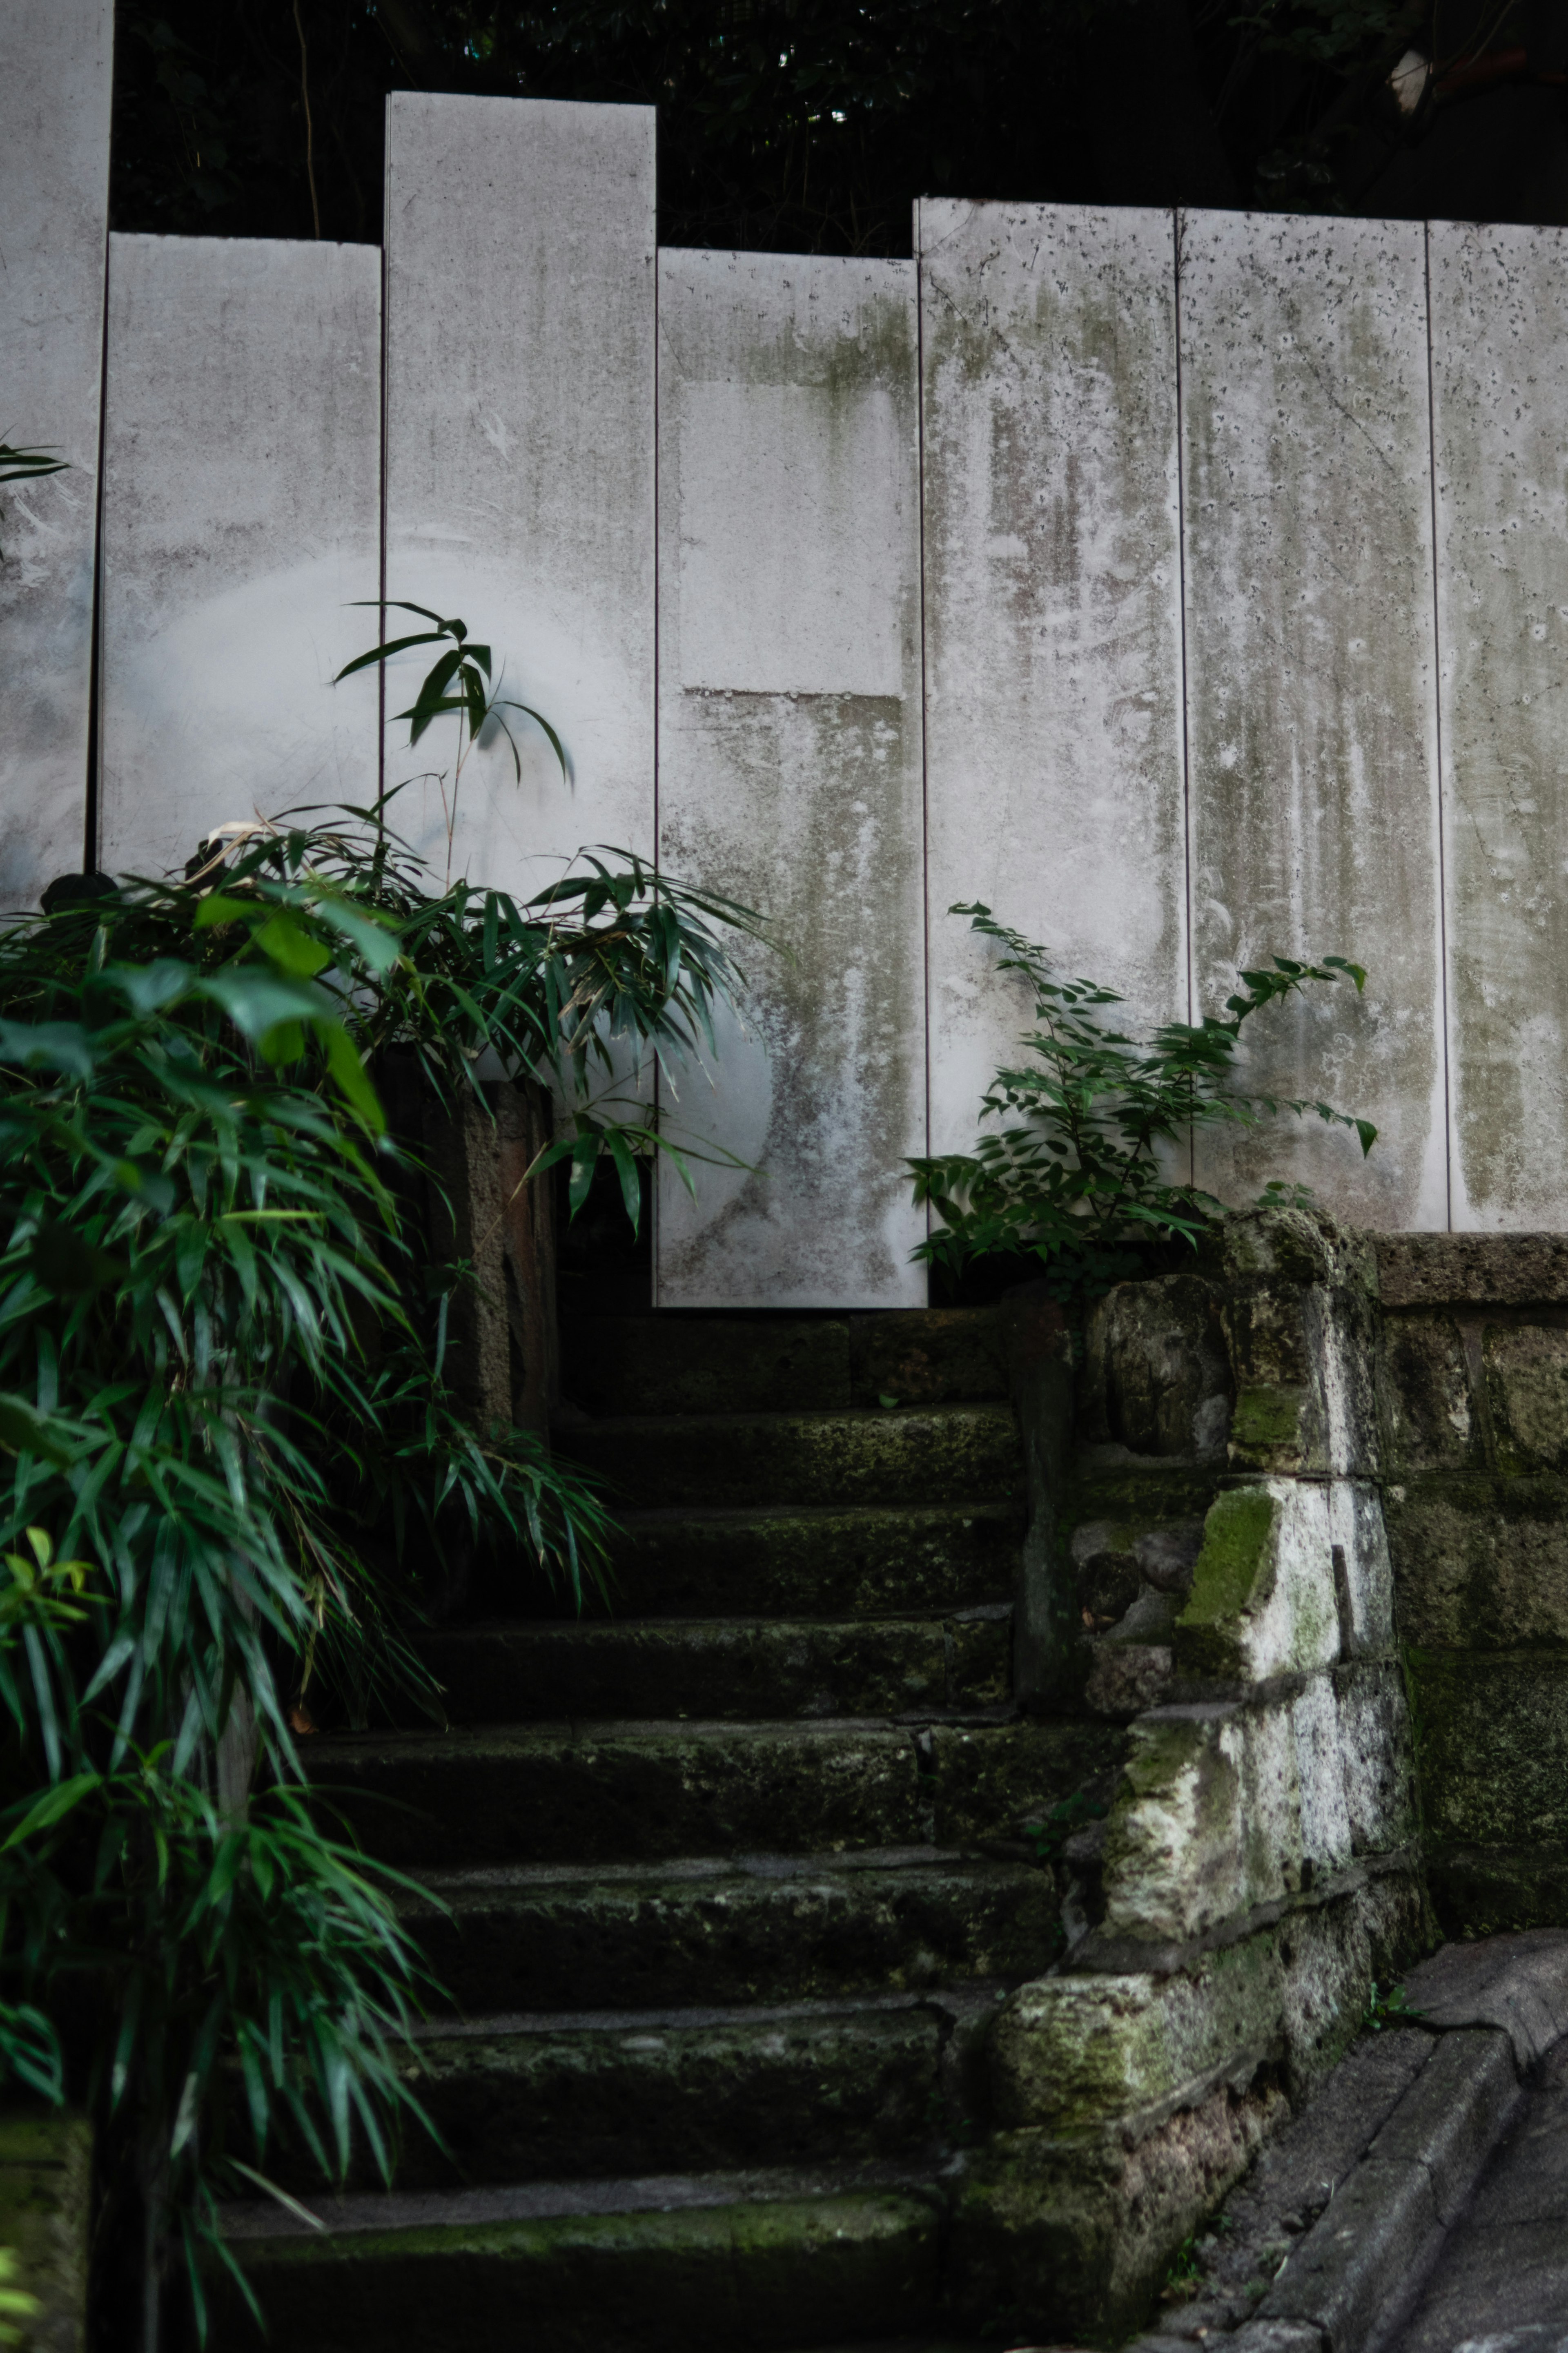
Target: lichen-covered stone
<point>1174,1847</point>
<point>1375,1756</point>
<point>1263,1600</point>
<point>1428,1415</point>
<point>1126,1678</point>
<point>45,2216</point>
<point>1074,2236</point>
<point>1073,2051</point>
<point>1155,1378</point>
<point>1527,1387</point>
<point>1480,1564</point>
<point>1491,1739</point>
<point>985,1780</point>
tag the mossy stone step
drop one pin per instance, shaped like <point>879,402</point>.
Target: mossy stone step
<point>689,1363</point>
<point>945,1454</point>
<point>716,2262</point>
<point>722,1668</point>
<point>588,2095</point>
<point>873,1562</point>
<point>772,1928</point>
<point>618,1791</point>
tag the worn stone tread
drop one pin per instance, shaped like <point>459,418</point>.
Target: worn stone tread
<point>627,2267</point>
<point>688,1362</point>
<point>651,1790</point>
<point>763,1928</point>
<point>722,1668</point>
<point>937,1454</point>
<point>596,2095</point>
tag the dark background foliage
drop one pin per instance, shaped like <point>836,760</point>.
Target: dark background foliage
<point>812,124</point>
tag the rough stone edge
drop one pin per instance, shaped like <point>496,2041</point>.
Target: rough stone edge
<point>1333,2286</point>
<point>1472,1269</point>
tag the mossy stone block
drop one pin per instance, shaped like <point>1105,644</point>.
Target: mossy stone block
<point>46,2176</point>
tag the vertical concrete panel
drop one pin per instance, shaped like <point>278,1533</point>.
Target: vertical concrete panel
<point>1311,701</point>
<point>53,218</point>
<point>790,763</point>
<point>1052,616</point>
<point>242,442</point>
<point>1499,320</point>
<point>520,456</point>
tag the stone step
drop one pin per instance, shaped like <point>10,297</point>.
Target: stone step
<point>821,1562</point>
<point>769,2259</point>
<point>767,1928</point>
<point>944,1455</point>
<point>725,1668</point>
<point>687,1363</point>
<point>554,1792</point>
<point>581,2095</point>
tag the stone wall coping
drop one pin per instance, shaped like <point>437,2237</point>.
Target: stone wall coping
<point>1472,1269</point>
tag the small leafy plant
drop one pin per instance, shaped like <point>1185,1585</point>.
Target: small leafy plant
<point>29,466</point>
<point>1392,2008</point>
<point>459,685</point>
<point>1078,1177</point>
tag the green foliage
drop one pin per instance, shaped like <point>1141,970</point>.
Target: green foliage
<point>1391,2008</point>
<point>27,466</point>
<point>15,2304</point>
<point>237,1461</point>
<point>1079,1179</point>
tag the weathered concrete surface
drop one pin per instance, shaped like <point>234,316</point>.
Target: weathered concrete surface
<point>519,457</point>
<point>1312,696</point>
<point>54,203</point>
<point>242,439</point>
<point>1500,414</point>
<point>790,769</point>
<point>1052,616</point>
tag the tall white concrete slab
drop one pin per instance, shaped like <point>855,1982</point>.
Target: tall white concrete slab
<point>790,766</point>
<point>1311,687</point>
<point>1053,617</point>
<point>520,458</point>
<point>1499,321</point>
<point>242,443</point>
<point>54,220</point>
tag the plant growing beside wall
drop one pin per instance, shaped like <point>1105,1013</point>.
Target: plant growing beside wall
<point>459,685</point>
<point>27,466</point>
<point>234,1449</point>
<point>1079,1174</point>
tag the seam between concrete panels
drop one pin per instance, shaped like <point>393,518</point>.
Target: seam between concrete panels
<point>91,820</point>
<point>920,591</point>
<point>1438,746</point>
<point>658,845</point>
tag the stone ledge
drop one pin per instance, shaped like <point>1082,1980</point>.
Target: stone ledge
<point>1098,1955</point>
<point>1472,1269</point>
<point>1362,2264</point>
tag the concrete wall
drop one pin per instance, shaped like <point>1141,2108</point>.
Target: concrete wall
<point>519,458</point>
<point>1052,616</point>
<point>242,465</point>
<point>790,771</point>
<point>1136,574</point>
<point>54,219</point>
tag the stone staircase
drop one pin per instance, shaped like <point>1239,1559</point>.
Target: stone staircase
<point>726,1885</point>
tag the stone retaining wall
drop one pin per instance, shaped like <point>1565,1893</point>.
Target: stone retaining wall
<point>1473,1401</point>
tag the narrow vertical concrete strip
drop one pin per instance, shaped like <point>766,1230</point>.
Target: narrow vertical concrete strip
<point>1499,310</point>
<point>54,203</point>
<point>520,458</point>
<point>241,519</point>
<point>1052,616</point>
<point>789,766</point>
<point>1311,717</point>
